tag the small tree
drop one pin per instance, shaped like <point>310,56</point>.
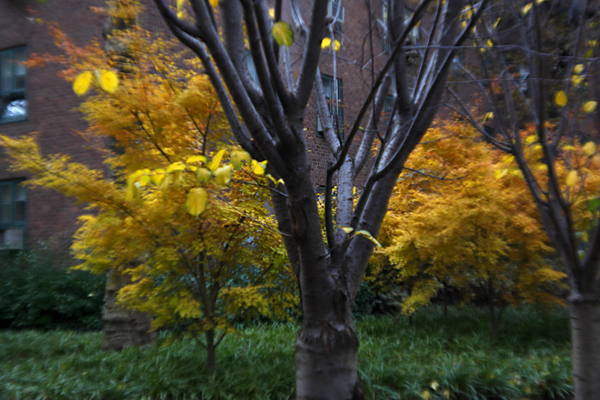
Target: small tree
<point>460,218</point>
<point>538,72</point>
<point>200,273</point>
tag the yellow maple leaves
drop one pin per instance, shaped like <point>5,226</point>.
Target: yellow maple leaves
<point>327,43</point>
<point>107,80</point>
<point>202,169</point>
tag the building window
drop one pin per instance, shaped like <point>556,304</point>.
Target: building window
<point>413,36</point>
<point>331,104</point>
<point>12,214</point>
<point>13,100</point>
<point>388,107</point>
<point>332,11</point>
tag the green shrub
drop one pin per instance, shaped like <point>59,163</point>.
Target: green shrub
<point>37,290</point>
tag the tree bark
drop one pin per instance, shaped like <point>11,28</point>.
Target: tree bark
<point>326,362</point>
<point>585,334</point>
<point>210,352</point>
<point>122,327</point>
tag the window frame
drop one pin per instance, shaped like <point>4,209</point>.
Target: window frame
<point>13,184</point>
<point>11,91</point>
<point>340,112</point>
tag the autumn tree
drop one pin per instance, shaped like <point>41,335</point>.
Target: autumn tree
<point>537,72</point>
<point>195,258</point>
<point>462,217</point>
<point>270,126</point>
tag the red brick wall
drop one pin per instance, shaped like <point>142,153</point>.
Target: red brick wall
<point>51,102</point>
<point>353,68</point>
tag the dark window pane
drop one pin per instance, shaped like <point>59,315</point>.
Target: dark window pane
<point>5,204</point>
<point>19,203</point>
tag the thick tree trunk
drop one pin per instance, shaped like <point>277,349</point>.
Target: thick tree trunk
<point>122,327</point>
<point>585,334</point>
<point>326,362</point>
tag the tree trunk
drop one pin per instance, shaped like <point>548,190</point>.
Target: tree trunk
<point>585,334</point>
<point>210,352</point>
<point>122,327</point>
<point>326,362</point>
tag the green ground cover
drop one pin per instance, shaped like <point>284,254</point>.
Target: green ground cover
<point>432,358</point>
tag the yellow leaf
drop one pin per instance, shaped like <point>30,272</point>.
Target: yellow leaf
<point>176,166</point>
<point>272,13</point>
<point>158,176</point>
<point>568,147</point>
<point>572,178</point>
<point>425,395</point>
<point>268,176</point>
<point>542,167</point>
<point>435,385</point>
<point>495,23</point>
<point>258,168</point>
<point>530,139</point>
<point>144,179</point>
<point>560,99</point>
<point>346,229</point>
<point>108,81</point>
<point>576,80</point>
<point>325,43</point>
<point>337,45</point>
<point>216,160</point>
<point>368,236</point>
<point>203,174</point>
<point>81,85</point>
<point>589,148</point>
<point>132,187</point>
<point>177,176</point>
<point>490,43</point>
<point>487,116</point>
<point>578,68</point>
<point>195,159</point>
<point>214,3</point>
<point>283,33</point>
<point>585,237</point>
<point>526,9</point>
<point>446,393</point>
<point>590,106</point>
<point>223,175</point>
<point>238,157</point>
<point>196,201</point>
<point>179,8</point>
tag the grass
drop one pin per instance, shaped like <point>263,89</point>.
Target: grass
<point>530,358</point>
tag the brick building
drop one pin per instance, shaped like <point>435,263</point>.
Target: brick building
<point>37,100</point>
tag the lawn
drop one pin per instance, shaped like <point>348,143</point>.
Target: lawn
<point>433,358</point>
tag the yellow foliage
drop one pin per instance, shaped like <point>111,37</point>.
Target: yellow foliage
<point>195,251</point>
<point>478,225</point>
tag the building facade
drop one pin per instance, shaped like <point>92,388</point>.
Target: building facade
<point>38,100</point>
